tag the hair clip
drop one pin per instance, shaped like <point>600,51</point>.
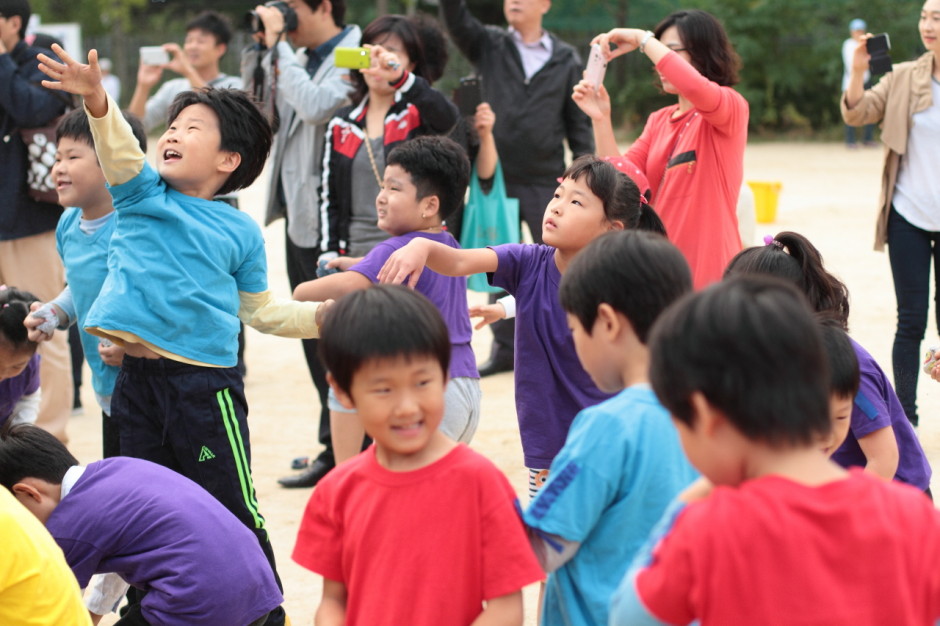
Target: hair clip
<point>643,200</point>
<point>770,241</point>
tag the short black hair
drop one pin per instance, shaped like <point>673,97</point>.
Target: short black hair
<point>14,307</point>
<point>707,43</point>
<point>617,192</point>
<point>792,257</point>
<point>27,451</point>
<point>844,375</point>
<point>213,23</point>
<point>242,125</point>
<point>637,273</point>
<point>12,8</point>
<point>381,322</point>
<point>74,125</point>
<point>751,347</point>
<point>438,166</point>
<point>337,9</point>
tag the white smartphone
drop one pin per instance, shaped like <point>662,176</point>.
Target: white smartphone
<point>596,67</point>
<point>154,55</point>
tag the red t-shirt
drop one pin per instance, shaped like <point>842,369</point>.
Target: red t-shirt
<point>420,548</point>
<point>853,552</point>
<point>697,195</point>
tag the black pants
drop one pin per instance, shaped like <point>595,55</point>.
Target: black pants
<point>532,202</point>
<point>912,251</point>
<point>193,420</point>
<point>301,267</point>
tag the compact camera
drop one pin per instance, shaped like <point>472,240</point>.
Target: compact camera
<point>254,24</point>
<point>878,47</point>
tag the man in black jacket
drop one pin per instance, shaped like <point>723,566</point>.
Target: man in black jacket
<point>528,76</point>
<point>28,257</point>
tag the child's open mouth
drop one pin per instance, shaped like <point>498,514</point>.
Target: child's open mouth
<point>171,155</point>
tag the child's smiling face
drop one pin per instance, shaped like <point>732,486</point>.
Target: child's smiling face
<point>78,178</point>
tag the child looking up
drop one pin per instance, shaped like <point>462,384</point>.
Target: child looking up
<point>881,439</point>
<point>193,560</point>
<point>417,529</point>
<point>19,363</point>
<point>551,385</point>
<point>786,536</point>
<point>622,463</point>
<point>83,237</point>
<point>182,271</point>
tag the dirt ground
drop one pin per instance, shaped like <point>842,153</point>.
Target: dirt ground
<point>828,194</point>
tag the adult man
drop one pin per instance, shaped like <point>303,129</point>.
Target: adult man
<point>28,257</point>
<point>307,88</point>
<point>528,75</point>
<point>197,63</point>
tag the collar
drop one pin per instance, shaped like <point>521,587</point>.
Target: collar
<point>544,41</point>
<point>321,52</point>
<point>71,477</point>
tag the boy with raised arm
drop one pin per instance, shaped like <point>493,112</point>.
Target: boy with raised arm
<point>182,270</point>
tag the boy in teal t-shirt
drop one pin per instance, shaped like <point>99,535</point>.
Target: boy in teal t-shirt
<point>622,463</point>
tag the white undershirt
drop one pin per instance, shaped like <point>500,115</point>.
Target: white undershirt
<point>917,191</point>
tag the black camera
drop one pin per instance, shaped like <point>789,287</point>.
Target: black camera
<point>254,24</point>
<point>880,61</point>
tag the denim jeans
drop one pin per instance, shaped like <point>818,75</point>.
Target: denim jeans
<point>910,250</point>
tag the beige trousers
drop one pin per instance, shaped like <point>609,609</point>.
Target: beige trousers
<point>33,264</point>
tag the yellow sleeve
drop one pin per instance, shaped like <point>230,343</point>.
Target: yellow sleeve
<point>279,316</point>
<point>118,150</point>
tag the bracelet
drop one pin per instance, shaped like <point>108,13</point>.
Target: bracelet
<point>649,35</point>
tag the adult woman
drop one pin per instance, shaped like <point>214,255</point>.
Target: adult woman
<point>907,102</point>
<point>391,102</point>
<point>692,152</point>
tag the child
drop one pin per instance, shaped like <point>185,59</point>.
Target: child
<point>194,562</point>
<point>622,464</point>
<point>182,271</point>
<point>36,585</point>
<point>83,237</point>
<point>843,381</point>
<point>787,536</point>
<point>551,386</point>
<point>424,182</point>
<point>881,438</point>
<point>417,529</point>
<point>19,363</point>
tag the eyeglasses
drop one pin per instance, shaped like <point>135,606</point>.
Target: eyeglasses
<point>675,48</point>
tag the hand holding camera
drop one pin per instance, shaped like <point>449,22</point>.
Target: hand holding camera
<point>385,64</point>
<point>269,21</point>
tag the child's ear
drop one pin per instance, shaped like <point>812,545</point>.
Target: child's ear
<point>616,225</point>
<point>430,206</point>
<point>229,161</point>
<point>607,322</point>
<point>706,419</point>
<point>344,398</point>
<point>26,491</point>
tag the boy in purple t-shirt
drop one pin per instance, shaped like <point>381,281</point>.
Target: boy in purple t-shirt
<point>191,559</point>
<point>425,180</point>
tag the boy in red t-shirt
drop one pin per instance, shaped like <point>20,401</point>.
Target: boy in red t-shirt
<point>417,529</point>
<point>786,536</point>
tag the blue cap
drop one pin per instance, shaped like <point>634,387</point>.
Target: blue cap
<point>857,24</point>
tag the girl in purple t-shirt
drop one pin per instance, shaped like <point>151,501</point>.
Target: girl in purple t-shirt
<point>551,386</point>
<point>880,438</point>
<point>19,363</point>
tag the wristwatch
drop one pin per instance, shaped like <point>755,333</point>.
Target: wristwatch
<point>646,37</point>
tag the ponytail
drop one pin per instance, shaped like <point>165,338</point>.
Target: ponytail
<point>14,307</point>
<point>650,222</point>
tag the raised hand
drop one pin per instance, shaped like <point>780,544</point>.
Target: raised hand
<point>488,313</point>
<point>78,78</point>
<point>385,64</point>
<point>594,102</point>
<point>484,119</point>
<point>624,39</point>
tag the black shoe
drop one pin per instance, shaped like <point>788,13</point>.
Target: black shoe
<point>307,478</point>
<point>496,365</point>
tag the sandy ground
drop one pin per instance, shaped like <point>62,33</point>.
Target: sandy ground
<point>829,194</point>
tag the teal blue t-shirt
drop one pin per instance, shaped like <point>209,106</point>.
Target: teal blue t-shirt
<point>620,468</point>
<point>175,268</point>
<point>85,257</point>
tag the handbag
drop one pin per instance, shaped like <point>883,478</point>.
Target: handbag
<point>40,157</point>
<point>489,219</point>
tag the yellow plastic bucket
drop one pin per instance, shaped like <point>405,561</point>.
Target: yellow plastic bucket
<point>765,200</point>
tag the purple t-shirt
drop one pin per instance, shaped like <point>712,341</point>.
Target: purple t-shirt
<point>448,293</point>
<point>13,389</point>
<point>551,385</point>
<point>166,535</point>
<point>877,406</point>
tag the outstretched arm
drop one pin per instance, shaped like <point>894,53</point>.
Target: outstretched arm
<point>281,317</point>
<point>405,265</point>
<point>334,286</point>
<point>76,78</point>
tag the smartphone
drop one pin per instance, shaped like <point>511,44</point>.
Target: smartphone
<point>352,58</point>
<point>878,47</point>
<point>468,95</point>
<point>154,55</point>
<point>596,67</point>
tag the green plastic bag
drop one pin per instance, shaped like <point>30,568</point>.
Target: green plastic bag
<point>489,219</point>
